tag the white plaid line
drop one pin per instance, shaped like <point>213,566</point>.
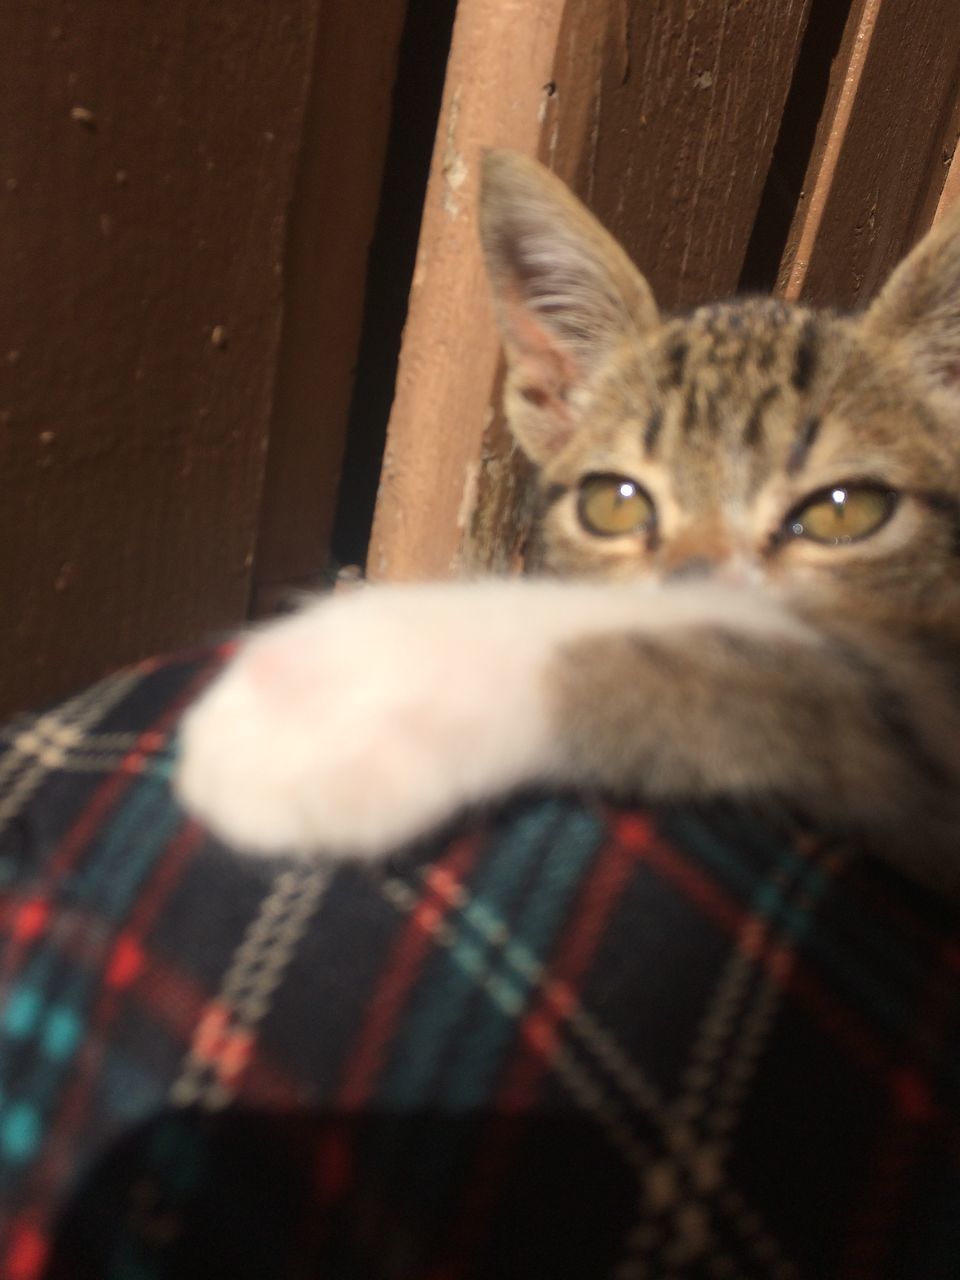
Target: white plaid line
<point>218,1053</point>
<point>686,1182</point>
<point>44,745</point>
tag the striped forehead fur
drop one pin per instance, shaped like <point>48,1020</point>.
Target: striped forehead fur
<point>728,419</point>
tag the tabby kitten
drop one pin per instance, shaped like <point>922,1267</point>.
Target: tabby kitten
<point>755,508</point>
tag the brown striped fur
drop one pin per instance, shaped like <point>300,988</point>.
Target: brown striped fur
<point>729,417</point>
<point>713,651</point>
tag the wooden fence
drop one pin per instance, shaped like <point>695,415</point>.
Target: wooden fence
<point>209,247</point>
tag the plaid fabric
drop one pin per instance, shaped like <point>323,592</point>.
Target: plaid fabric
<point>566,1041</point>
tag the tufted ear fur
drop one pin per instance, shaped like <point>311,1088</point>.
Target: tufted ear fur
<point>919,307</point>
<point>566,296</point>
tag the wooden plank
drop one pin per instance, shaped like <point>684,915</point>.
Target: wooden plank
<point>147,160</point>
<point>500,60</point>
<point>665,122</point>
<point>664,119</point>
<point>951,186</point>
<point>878,166</point>
<point>331,225</point>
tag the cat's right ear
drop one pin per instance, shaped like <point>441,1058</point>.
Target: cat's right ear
<point>566,296</point>
<point>919,307</point>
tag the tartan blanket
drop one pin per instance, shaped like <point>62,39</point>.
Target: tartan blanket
<point>561,1039</point>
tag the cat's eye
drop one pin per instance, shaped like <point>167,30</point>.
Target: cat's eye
<point>612,506</point>
<point>842,513</point>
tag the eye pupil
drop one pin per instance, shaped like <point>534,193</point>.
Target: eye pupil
<point>614,506</point>
<point>843,514</point>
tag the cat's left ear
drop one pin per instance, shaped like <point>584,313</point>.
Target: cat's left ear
<point>566,296</point>
<point>919,305</point>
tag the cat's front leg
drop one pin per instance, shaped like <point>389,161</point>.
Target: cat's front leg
<point>366,720</point>
<point>853,730</point>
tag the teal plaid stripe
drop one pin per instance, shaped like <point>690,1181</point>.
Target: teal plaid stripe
<point>493,952</point>
<point>48,1002</point>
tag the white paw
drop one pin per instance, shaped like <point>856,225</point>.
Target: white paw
<point>363,722</point>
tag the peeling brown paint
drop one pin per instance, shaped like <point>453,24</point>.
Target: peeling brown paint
<point>84,116</point>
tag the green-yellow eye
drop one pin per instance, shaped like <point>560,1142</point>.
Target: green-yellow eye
<point>841,514</point>
<point>612,506</point>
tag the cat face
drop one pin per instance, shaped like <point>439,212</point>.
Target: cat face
<point>752,441</point>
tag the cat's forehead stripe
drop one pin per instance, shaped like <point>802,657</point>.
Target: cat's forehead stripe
<point>753,432</point>
<point>805,356</point>
<point>676,362</point>
<point>689,409</point>
<point>804,441</point>
<point>651,433</point>
<point>764,333</point>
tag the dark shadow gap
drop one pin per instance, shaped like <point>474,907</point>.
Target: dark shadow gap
<point>416,106</point>
<point>794,145</point>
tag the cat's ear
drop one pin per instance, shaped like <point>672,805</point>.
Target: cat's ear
<point>919,306</point>
<point>565,293</point>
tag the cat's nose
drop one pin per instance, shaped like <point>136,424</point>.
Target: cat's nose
<point>691,567</point>
<point>731,571</point>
